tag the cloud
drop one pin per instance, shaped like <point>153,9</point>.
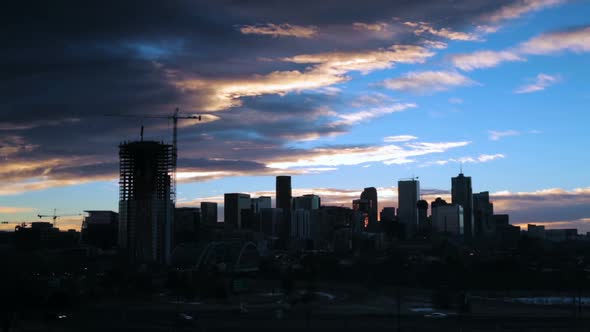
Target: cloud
<point>364,61</point>
<point>574,40</point>
<point>280,30</point>
<point>483,158</point>
<point>541,82</point>
<point>427,81</point>
<point>387,154</point>
<point>328,69</point>
<point>496,135</point>
<point>483,59</point>
<point>545,205</point>
<point>424,27</point>
<point>399,138</point>
<point>357,117</point>
<point>379,26</point>
<point>455,100</point>
<point>519,8</point>
<point>15,209</point>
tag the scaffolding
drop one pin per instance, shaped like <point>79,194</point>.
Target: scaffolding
<point>145,170</point>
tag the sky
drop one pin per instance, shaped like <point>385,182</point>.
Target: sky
<point>340,95</point>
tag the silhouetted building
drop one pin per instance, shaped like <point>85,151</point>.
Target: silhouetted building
<point>42,235</point>
<point>187,223</point>
<point>146,210</point>
<point>361,214</point>
<point>262,202</point>
<point>208,213</point>
<point>387,214</point>
<point>561,234</point>
<point>271,220</point>
<point>306,202</point>
<point>100,229</point>
<point>370,194</point>
<point>483,215</point>
<point>408,192</point>
<point>422,206</point>
<point>507,235</point>
<point>283,192</point>
<point>301,224</point>
<point>461,193</point>
<point>535,231</point>
<point>233,204</point>
<point>448,219</point>
<point>283,201</point>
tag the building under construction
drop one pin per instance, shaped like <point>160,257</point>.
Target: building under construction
<point>146,208</point>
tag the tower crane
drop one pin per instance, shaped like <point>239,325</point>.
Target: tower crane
<point>54,216</point>
<point>175,117</point>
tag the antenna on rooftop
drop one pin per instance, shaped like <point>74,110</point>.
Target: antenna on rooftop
<point>461,167</point>
<point>141,134</point>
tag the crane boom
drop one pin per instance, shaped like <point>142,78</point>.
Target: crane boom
<point>175,117</point>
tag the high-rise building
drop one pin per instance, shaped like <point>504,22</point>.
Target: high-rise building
<point>283,192</point>
<point>370,194</point>
<point>233,204</point>
<point>187,223</point>
<point>462,194</point>
<point>283,201</point>
<point>146,209</point>
<point>483,215</point>
<point>448,219</point>
<point>408,193</point>
<point>262,202</point>
<point>209,213</point>
<point>306,202</point>
<point>100,228</point>
<point>422,215</point>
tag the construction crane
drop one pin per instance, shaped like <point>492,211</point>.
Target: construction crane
<point>175,117</point>
<point>54,216</point>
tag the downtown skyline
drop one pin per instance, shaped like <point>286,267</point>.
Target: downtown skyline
<point>362,97</point>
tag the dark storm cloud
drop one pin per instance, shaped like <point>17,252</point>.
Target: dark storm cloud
<point>67,64</point>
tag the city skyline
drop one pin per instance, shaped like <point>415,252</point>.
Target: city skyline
<point>360,98</point>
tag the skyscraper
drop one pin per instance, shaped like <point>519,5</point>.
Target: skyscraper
<point>408,193</point>
<point>306,202</point>
<point>283,200</point>
<point>233,204</point>
<point>283,193</point>
<point>146,210</point>
<point>461,194</point>
<point>483,215</point>
<point>370,194</point>
<point>209,213</point>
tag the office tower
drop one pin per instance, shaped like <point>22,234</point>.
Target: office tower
<point>301,224</point>
<point>361,213</point>
<point>262,202</point>
<point>408,192</point>
<point>387,214</point>
<point>283,201</point>
<point>448,219</point>
<point>283,192</point>
<point>146,210</point>
<point>483,215</point>
<point>100,229</point>
<point>209,213</point>
<point>306,202</point>
<point>370,194</point>
<point>535,231</point>
<point>461,194</point>
<point>422,215</point>
<point>187,223</point>
<point>271,222</point>
<point>233,204</point>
